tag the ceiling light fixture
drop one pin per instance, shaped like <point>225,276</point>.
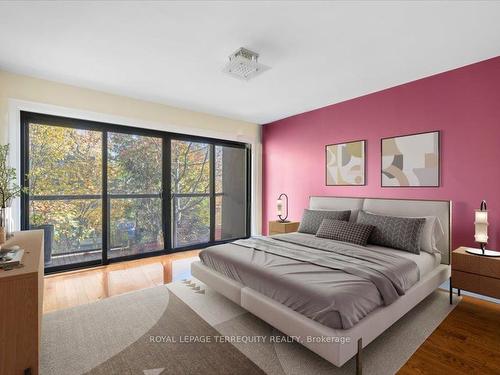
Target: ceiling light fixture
<point>243,64</point>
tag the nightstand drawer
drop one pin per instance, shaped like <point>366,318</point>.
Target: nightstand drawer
<point>465,280</point>
<point>276,227</point>
<point>485,266</point>
<point>488,286</point>
<point>462,261</point>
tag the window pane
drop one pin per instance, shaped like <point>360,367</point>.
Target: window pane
<point>134,164</point>
<point>135,226</point>
<point>230,201</point>
<point>191,220</point>
<point>190,167</point>
<point>64,160</point>
<point>75,227</point>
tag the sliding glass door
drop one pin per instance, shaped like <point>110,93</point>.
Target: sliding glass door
<point>209,192</point>
<point>190,184</point>
<point>104,192</point>
<point>65,200</point>
<point>134,184</point>
<point>230,193</point>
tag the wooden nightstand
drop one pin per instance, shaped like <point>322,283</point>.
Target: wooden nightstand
<point>475,273</point>
<point>277,227</point>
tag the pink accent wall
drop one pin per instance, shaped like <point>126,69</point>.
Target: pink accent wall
<point>463,103</point>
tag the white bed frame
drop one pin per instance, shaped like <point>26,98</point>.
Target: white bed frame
<point>293,323</point>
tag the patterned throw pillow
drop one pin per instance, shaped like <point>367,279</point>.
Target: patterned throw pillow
<point>345,231</point>
<point>401,233</point>
<point>311,219</point>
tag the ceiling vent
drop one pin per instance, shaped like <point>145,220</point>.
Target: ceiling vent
<point>243,64</point>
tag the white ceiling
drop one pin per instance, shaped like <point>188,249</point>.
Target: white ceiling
<point>173,52</point>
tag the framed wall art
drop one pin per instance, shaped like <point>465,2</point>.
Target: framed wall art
<point>345,164</point>
<point>411,160</point>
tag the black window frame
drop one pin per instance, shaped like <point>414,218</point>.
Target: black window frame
<point>165,194</point>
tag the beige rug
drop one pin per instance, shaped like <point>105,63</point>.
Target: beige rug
<point>187,328</point>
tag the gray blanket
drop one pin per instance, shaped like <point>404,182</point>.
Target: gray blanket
<point>332,282</point>
<point>392,275</point>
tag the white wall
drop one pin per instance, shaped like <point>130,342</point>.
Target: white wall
<point>19,93</point>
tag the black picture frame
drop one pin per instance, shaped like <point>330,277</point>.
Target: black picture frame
<point>364,162</point>
<point>411,135</point>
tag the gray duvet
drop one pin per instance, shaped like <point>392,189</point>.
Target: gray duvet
<point>334,283</point>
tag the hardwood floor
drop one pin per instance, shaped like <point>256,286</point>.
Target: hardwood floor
<point>467,342</point>
<point>89,285</point>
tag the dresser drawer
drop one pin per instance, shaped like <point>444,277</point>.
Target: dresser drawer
<point>472,282</point>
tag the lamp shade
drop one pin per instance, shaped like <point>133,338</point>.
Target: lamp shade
<point>481,234</point>
<point>481,217</point>
<point>279,207</point>
<point>481,224</point>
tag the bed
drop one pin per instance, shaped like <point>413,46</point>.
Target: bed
<point>294,293</point>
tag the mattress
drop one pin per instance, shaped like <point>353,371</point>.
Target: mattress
<point>312,290</point>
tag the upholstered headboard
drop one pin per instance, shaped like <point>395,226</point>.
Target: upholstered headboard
<point>394,207</point>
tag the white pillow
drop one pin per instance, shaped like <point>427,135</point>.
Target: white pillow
<point>432,233</point>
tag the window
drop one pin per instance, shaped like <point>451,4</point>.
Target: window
<point>134,191</point>
<point>230,193</point>
<point>65,183</point>
<point>104,192</point>
<point>190,182</point>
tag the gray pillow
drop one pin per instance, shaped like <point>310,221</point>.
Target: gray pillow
<point>311,219</point>
<point>345,231</point>
<point>401,233</point>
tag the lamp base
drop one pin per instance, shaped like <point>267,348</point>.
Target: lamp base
<point>283,221</point>
<point>483,252</point>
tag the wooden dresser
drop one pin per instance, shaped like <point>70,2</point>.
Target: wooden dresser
<point>475,273</point>
<point>277,227</point>
<point>21,305</point>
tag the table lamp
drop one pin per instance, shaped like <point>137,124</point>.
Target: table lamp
<point>481,233</point>
<point>279,208</point>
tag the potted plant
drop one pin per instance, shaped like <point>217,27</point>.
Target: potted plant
<point>9,190</point>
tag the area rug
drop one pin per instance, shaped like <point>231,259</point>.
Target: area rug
<point>187,328</point>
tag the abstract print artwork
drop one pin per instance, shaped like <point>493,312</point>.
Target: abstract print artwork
<point>411,160</point>
<point>345,164</point>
